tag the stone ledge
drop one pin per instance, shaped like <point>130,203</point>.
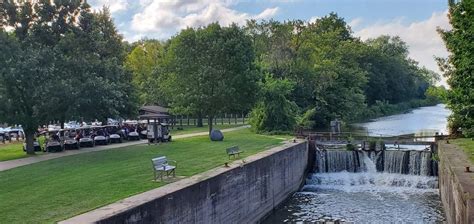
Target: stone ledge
<point>456,185</point>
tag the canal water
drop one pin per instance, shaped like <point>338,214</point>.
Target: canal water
<point>356,187</point>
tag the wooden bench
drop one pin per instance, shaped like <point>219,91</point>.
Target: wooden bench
<point>161,166</point>
<point>233,151</point>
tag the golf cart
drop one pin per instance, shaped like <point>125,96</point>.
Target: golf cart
<point>53,142</point>
<point>85,137</point>
<point>133,135</point>
<point>36,145</point>
<point>101,137</point>
<point>3,136</point>
<point>163,134</point>
<point>114,134</point>
<point>68,138</point>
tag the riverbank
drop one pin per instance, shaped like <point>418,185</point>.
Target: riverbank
<point>381,109</point>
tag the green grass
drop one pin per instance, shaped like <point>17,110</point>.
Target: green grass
<point>57,189</point>
<point>467,145</point>
<point>14,150</point>
<point>194,129</point>
<point>11,151</point>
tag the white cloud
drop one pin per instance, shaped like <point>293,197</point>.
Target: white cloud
<point>422,38</point>
<point>313,19</point>
<point>167,17</point>
<point>114,5</point>
<point>355,22</point>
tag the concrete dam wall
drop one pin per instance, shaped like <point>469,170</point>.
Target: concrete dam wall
<point>245,192</point>
<point>456,186</point>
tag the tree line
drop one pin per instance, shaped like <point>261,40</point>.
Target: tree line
<point>459,66</point>
<point>60,60</point>
<point>285,74</point>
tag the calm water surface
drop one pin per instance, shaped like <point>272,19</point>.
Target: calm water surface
<point>424,120</point>
<point>372,197</point>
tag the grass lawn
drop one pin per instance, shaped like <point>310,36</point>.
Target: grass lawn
<point>10,151</point>
<point>14,150</point>
<point>57,189</point>
<point>194,129</point>
<point>467,145</point>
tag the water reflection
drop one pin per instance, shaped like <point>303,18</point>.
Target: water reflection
<point>421,121</point>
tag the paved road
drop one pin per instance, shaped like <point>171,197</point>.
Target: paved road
<point>10,164</point>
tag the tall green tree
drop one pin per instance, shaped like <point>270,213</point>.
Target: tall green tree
<point>459,66</point>
<point>145,61</point>
<point>27,77</point>
<point>211,70</point>
<point>74,57</point>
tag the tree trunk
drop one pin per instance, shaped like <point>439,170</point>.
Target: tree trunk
<point>30,148</point>
<point>210,124</point>
<point>62,122</point>
<point>199,120</point>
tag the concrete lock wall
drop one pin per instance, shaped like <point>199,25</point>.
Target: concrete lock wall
<point>456,186</point>
<point>243,193</point>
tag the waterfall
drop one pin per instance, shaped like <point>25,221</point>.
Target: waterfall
<point>389,161</point>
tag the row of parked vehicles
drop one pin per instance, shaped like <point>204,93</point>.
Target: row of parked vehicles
<point>57,140</point>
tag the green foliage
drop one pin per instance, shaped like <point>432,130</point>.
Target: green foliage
<point>210,70</point>
<point>145,62</point>
<point>62,62</point>
<point>459,67</point>
<point>350,147</point>
<point>336,75</point>
<point>274,112</point>
<point>436,94</point>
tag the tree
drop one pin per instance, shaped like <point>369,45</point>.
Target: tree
<point>28,75</point>
<point>211,70</point>
<point>73,56</point>
<point>274,112</point>
<point>145,62</point>
<point>459,66</point>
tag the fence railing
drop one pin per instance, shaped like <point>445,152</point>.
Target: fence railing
<point>185,120</point>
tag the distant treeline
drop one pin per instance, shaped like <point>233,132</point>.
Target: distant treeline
<point>284,74</point>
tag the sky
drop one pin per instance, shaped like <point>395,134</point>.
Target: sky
<point>415,21</point>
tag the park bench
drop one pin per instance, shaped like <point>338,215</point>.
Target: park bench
<point>233,151</point>
<point>161,167</point>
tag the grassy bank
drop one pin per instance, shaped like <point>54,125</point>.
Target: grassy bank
<point>380,109</point>
<point>14,150</point>
<point>57,189</point>
<point>467,145</point>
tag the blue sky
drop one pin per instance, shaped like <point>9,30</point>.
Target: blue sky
<point>415,21</point>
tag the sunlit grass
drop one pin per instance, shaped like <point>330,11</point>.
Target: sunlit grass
<point>57,189</point>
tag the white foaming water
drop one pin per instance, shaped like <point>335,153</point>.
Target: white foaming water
<point>364,197</point>
<point>372,181</point>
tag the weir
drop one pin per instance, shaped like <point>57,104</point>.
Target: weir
<point>389,161</point>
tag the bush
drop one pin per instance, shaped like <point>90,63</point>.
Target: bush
<point>274,112</point>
